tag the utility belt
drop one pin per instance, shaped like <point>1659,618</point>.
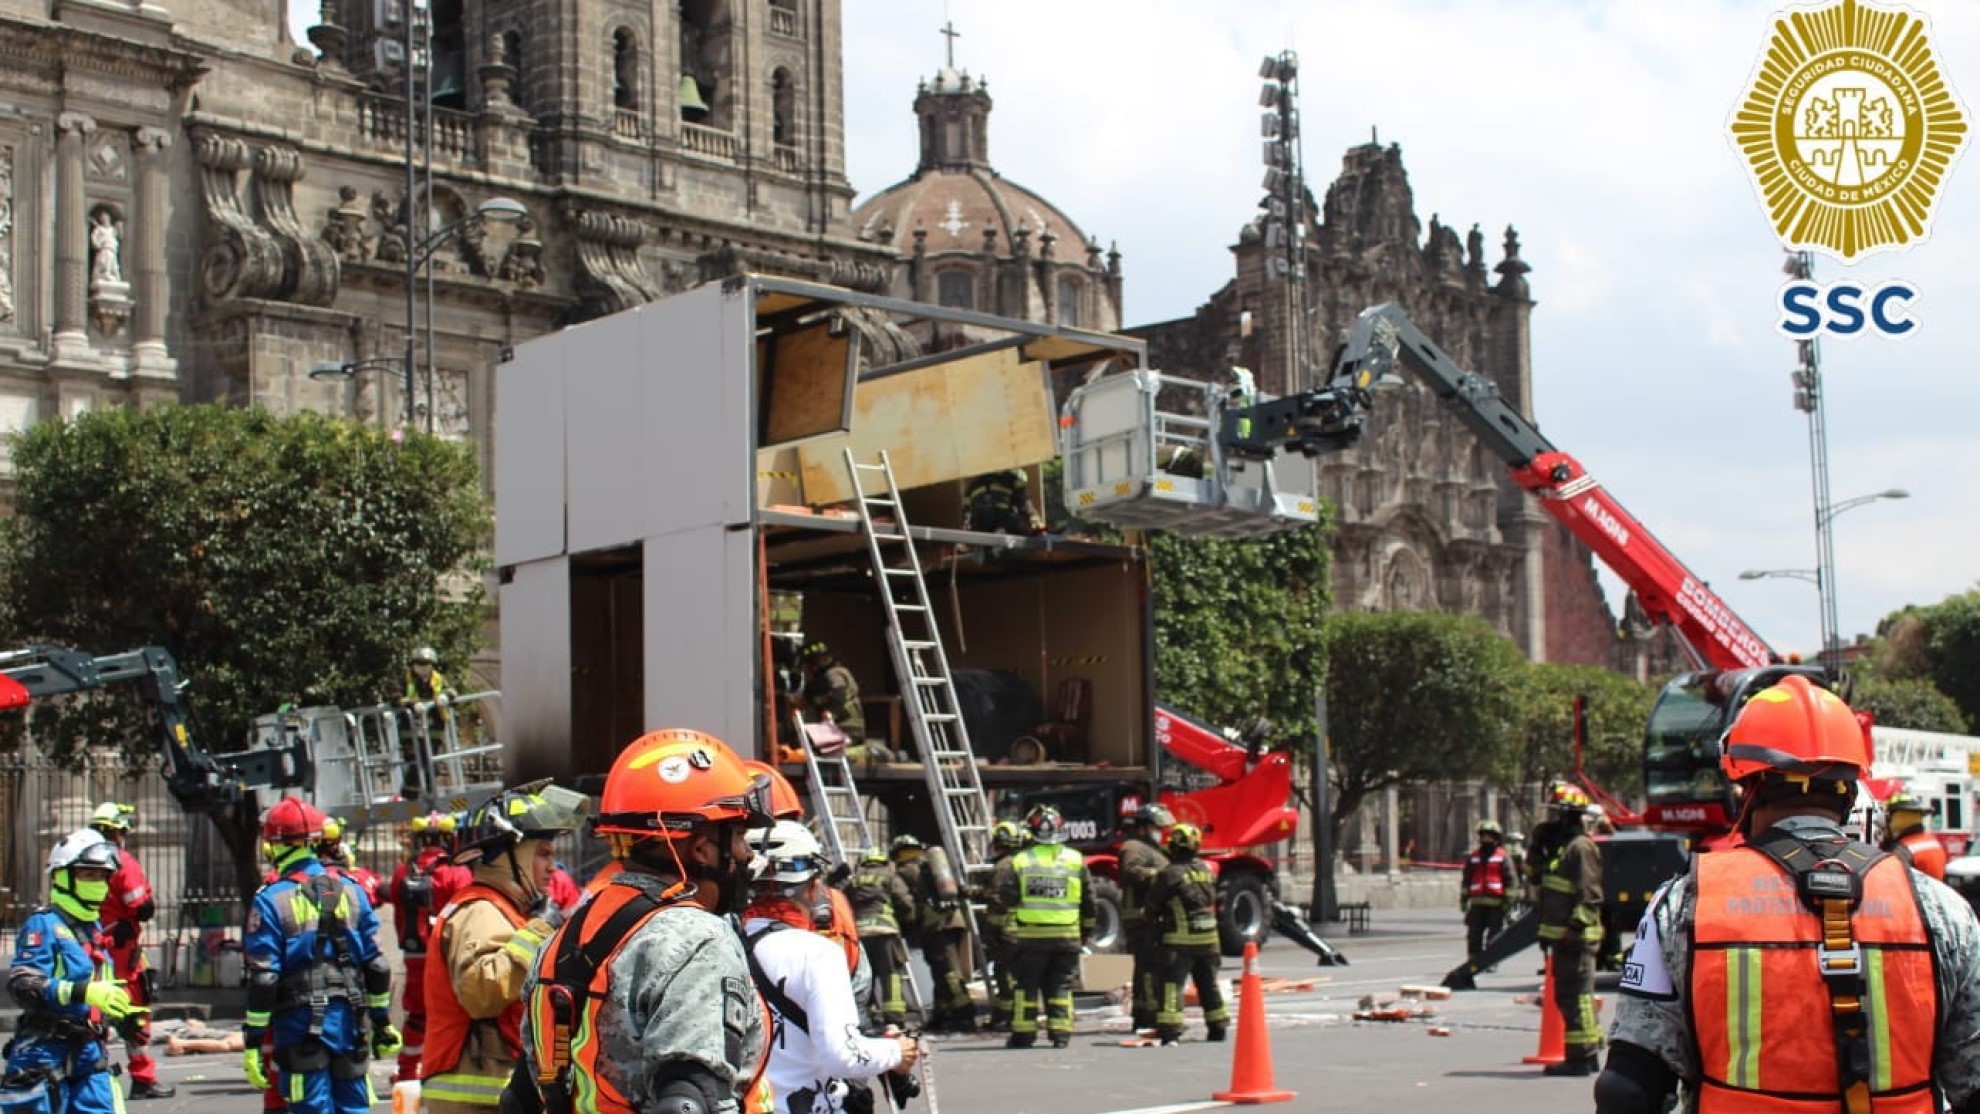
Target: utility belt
<point>316,989</point>
<point>312,1055</point>
<point>49,1025</point>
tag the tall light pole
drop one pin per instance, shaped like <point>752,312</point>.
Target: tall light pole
<point>1284,227</point>
<point>1825,583</point>
<point>1807,378</point>
<point>495,210</point>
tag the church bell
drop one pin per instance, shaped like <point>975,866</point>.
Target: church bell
<point>693,108</point>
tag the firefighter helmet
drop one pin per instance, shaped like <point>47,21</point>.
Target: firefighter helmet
<point>1904,800</point>
<point>292,820</point>
<point>426,655</point>
<point>333,830</point>
<point>1185,837</point>
<point>114,816</point>
<point>434,826</point>
<point>785,804</point>
<point>85,848</point>
<point>667,783</point>
<point>538,810</point>
<point>1796,728</point>
<point>791,854</point>
<point>907,841</point>
<point>1491,827</point>
<point>815,650</point>
<point>1046,825</point>
<point>873,856</point>
<point>1009,835</point>
<point>1156,814</point>
<point>1568,798</point>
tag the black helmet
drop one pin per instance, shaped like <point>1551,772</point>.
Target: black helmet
<point>906,842</point>
<point>1046,825</point>
<point>815,650</point>
<point>538,810</point>
<point>1157,814</point>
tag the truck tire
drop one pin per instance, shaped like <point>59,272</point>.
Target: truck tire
<point>1244,912</point>
<point>1107,934</point>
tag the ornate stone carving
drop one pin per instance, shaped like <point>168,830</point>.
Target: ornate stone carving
<point>109,294</point>
<point>522,264</point>
<point>6,235</point>
<point>344,231</point>
<point>391,217</point>
<point>106,159</point>
<point>241,260</point>
<point>309,266</point>
<point>610,279</point>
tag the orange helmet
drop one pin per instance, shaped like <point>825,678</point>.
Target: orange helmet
<point>292,820</point>
<point>667,782</point>
<point>785,804</point>
<point>1798,728</point>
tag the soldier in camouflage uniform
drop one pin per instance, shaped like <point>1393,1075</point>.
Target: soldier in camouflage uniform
<point>643,999</point>
<point>1876,966</point>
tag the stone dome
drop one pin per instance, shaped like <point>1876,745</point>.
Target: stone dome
<point>956,207</point>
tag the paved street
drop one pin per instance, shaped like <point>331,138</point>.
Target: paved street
<point>1332,1061</point>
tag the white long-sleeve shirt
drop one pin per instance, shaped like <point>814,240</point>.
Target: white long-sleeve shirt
<point>811,971</point>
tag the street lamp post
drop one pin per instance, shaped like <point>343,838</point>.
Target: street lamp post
<point>1824,579</point>
<point>498,210</point>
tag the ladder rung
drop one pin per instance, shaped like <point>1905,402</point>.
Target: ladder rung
<point>890,537</point>
<point>909,607</point>
<point>939,717</point>
<point>919,644</point>
<point>892,571</point>
<point>931,682</point>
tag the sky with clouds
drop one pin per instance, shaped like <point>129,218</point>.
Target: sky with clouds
<point>1598,128</point>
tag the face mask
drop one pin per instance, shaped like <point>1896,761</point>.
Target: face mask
<point>92,893</point>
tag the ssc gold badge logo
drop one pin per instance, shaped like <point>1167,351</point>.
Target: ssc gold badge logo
<point>1849,127</point>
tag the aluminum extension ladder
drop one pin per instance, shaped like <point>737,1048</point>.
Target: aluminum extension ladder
<point>929,692</point>
<point>841,815</point>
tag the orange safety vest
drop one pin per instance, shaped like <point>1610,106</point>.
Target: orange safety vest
<point>1485,875</point>
<point>1763,1017</point>
<point>447,1022</point>
<point>844,929</point>
<point>564,1040</point>
<point>1926,853</point>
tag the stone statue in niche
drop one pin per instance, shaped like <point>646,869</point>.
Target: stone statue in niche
<point>6,234</point>
<point>106,243</point>
<point>109,294</point>
<point>345,230</point>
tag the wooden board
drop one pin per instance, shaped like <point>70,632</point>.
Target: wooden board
<point>940,424</point>
<point>806,383</point>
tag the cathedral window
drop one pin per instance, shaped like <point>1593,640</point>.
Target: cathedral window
<point>955,290</point>
<point>512,53</point>
<point>708,46</point>
<point>447,82</point>
<point>1067,297</point>
<point>783,108</point>
<point>625,69</point>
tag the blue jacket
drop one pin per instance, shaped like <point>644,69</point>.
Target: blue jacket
<point>289,960</point>
<point>54,962</point>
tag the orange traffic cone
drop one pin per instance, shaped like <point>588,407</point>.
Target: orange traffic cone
<point>1553,1031</point>
<point>1251,1067</point>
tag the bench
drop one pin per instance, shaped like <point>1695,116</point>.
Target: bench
<point>1355,913</point>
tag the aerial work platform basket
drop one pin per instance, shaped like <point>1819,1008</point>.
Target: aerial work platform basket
<point>1141,451</point>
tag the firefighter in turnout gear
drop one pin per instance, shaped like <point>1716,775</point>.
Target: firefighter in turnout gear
<point>66,986</point>
<point>484,942</point>
<point>336,858</point>
<point>1905,835</point>
<point>1045,902</point>
<point>414,902</point>
<point>642,1001</point>
<point>942,930</point>
<point>1141,859</point>
<point>124,914</point>
<point>314,974</point>
<point>1007,838</point>
<point>880,903</point>
<point>1571,929</point>
<point>819,1063</point>
<point>1000,503</point>
<point>1800,971</point>
<point>1490,880</point>
<point>1182,903</point>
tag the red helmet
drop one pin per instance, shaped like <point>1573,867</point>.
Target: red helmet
<point>292,820</point>
<point>1798,728</point>
<point>668,782</point>
<point>785,804</point>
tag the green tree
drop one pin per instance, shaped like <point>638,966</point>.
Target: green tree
<point>1239,626</point>
<point>279,559</point>
<point>1615,708</point>
<point>1912,703</point>
<point>1939,643</point>
<point>1416,696</point>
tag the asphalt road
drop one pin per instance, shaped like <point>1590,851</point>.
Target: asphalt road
<point>1329,1060</point>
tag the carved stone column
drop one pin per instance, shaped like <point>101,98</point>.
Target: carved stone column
<point>71,236</point>
<point>154,286</point>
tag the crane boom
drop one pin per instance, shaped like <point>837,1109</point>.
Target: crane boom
<point>1332,416</point>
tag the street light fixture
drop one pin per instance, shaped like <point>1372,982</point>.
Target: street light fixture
<point>1861,501</point>
<point>1825,587</point>
<point>495,210</point>
<point>1809,575</point>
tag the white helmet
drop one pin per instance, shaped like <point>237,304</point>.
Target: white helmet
<point>84,847</point>
<point>790,854</point>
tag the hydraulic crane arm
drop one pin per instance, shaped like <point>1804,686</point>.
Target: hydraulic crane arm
<point>1332,417</point>
<point>199,780</point>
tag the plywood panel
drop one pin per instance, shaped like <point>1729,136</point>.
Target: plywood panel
<point>942,423</point>
<point>804,387</point>
<point>536,670</point>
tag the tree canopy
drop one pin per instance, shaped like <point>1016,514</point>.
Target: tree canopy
<point>1614,711</point>
<point>1911,702</point>
<point>1939,643</point>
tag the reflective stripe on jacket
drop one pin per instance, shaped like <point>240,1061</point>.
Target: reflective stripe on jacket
<point>1188,891</point>
<point>1049,883</point>
<point>447,1070</point>
<point>1762,1015</point>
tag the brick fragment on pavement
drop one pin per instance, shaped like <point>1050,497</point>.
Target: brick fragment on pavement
<point>1434,993</point>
